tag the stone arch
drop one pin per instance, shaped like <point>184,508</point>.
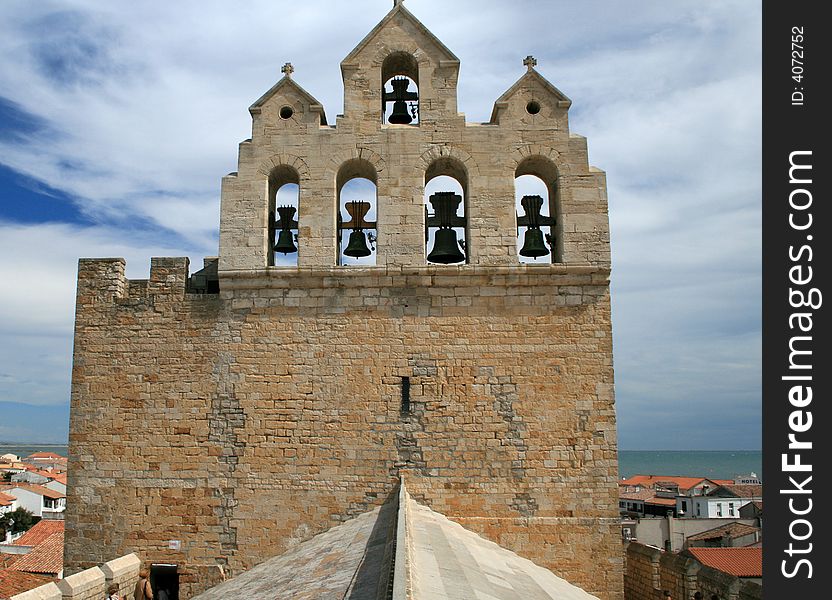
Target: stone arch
<point>351,170</point>
<point>527,151</point>
<point>383,51</point>
<point>399,69</point>
<point>453,167</point>
<point>361,154</point>
<point>546,169</point>
<point>279,172</point>
<point>269,166</point>
<point>439,151</point>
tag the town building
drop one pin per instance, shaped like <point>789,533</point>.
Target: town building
<point>224,417</point>
<point>37,499</point>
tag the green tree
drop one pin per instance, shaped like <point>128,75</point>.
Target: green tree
<point>17,521</point>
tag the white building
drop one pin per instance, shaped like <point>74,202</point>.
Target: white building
<point>38,500</point>
<point>724,502</point>
<point>8,503</point>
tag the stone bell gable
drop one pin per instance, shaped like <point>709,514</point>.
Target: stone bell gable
<point>399,315</point>
<point>291,144</point>
<point>286,105</point>
<point>400,44</point>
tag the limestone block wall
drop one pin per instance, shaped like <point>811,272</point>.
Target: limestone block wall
<point>751,591</point>
<point>677,574</point>
<point>243,423</point>
<point>50,591</point>
<point>90,584</point>
<point>641,579</point>
<point>649,571</point>
<point>724,586</point>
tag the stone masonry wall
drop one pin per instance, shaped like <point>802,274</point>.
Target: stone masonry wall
<point>90,584</point>
<point>242,423</point>
<point>641,578</point>
<point>245,423</point>
<point>650,571</point>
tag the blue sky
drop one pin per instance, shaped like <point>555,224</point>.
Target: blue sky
<point>118,120</point>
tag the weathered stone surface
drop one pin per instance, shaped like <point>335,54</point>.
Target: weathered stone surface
<point>243,423</point>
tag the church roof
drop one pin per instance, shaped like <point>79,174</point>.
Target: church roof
<point>403,546</point>
<point>399,10</point>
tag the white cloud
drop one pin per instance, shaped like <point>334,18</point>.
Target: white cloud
<point>140,108</point>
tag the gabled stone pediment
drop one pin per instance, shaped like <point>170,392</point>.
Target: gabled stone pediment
<point>531,87</point>
<point>288,92</point>
<point>391,27</point>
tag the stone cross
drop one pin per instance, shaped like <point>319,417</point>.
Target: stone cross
<point>530,62</point>
<point>287,69</point>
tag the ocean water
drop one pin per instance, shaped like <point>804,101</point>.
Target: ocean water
<point>25,450</point>
<point>714,464</point>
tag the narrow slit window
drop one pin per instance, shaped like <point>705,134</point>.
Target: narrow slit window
<point>405,406</point>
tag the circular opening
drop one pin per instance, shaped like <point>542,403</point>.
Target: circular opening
<point>286,112</point>
<point>533,107</point>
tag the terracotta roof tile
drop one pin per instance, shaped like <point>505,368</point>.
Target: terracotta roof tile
<point>740,562</point>
<point>661,501</point>
<point>45,455</point>
<point>40,532</point>
<point>731,530</point>
<point>17,582</point>
<point>47,557</point>
<point>6,500</point>
<point>684,483</point>
<point>35,489</point>
<point>745,491</point>
<point>642,495</point>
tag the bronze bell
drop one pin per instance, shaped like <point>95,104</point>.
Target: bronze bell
<point>400,95</point>
<point>445,248</point>
<point>357,246</point>
<point>533,244</point>
<point>285,242</point>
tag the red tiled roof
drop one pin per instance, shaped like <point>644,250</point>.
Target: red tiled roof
<point>41,472</point>
<point>17,582</point>
<point>745,491</point>
<point>47,557</point>
<point>740,562</point>
<point>6,500</point>
<point>731,530</point>
<point>36,489</point>
<point>642,495</point>
<point>684,483</point>
<point>59,477</point>
<point>45,455</point>
<point>661,501</point>
<point>40,532</point>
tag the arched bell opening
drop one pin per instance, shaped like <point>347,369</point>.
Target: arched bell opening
<point>284,207</point>
<point>400,89</point>
<point>357,214</point>
<point>446,222</point>
<point>535,197</point>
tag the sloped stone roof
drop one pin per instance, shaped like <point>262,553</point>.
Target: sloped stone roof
<point>404,551</point>
<point>345,562</point>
